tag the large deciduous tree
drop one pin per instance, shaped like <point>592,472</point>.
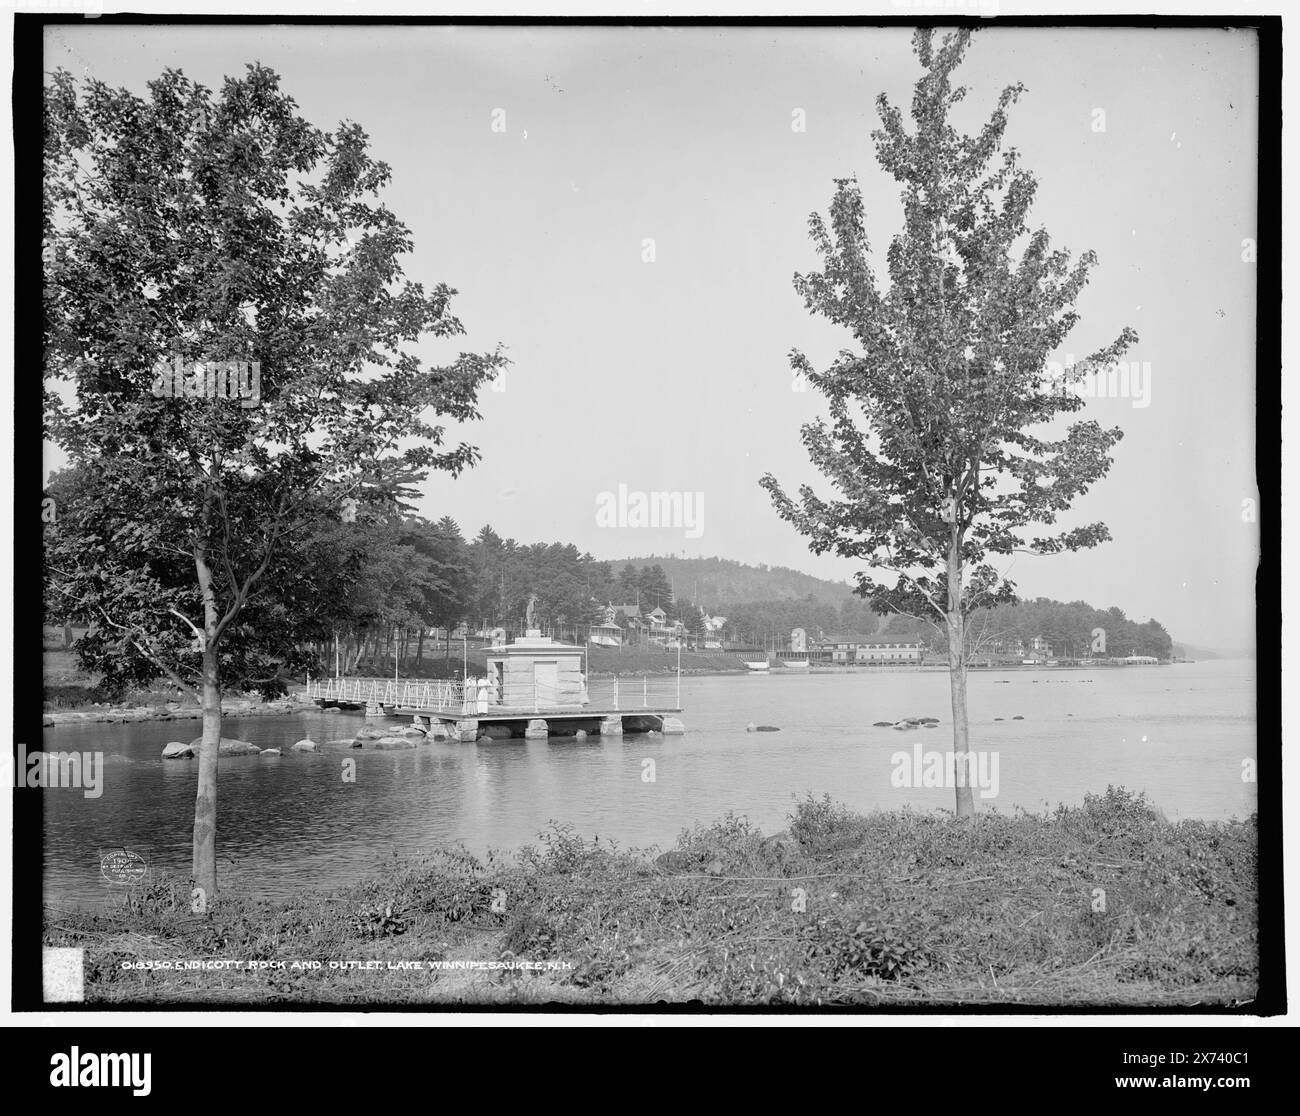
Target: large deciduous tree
<point>946,442</point>
<point>222,236</point>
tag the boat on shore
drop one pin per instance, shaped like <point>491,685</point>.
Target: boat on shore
<point>757,668</point>
<point>795,664</point>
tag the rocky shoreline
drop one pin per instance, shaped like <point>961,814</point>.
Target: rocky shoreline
<point>369,736</point>
<point>174,711</point>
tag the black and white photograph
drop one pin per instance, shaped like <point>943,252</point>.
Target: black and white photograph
<point>649,514</point>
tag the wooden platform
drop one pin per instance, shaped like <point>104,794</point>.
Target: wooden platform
<point>506,716</point>
<point>504,723</point>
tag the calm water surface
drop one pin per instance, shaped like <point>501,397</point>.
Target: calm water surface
<point>285,823</point>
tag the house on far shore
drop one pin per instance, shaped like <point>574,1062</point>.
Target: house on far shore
<point>628,616</point>
<point>665,632</point>
<point>894,654</point>
<point>713,626</point>
<point>887,654</point>
<point>607,633</point>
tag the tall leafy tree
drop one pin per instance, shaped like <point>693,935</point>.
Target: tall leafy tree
<point>449,593</point>
<point>187,229</point>
<point>941,443</point>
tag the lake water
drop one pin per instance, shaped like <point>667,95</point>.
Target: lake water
<point>1179,732</point>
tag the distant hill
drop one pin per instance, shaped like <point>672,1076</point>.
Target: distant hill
<point>721,582</point>
<point>715,581</point>
<point>1187,651</point>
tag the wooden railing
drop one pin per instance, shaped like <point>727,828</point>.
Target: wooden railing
<point>601,694</point>
<point>388,691</point>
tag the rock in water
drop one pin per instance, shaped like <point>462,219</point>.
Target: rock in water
<point>388,743</point>
<point>306,746</point>
<point>270,751</point>
<point>673,727</point>
<point>177,750</point>
<point>767,728</point>
<point>751,727</point>
<point>883,724</point>
<point>1017,718</point>
<point>229,747</point>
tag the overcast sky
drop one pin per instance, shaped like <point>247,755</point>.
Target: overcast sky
<point>673,375</point>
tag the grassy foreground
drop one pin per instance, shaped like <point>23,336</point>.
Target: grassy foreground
<point>1102,904</point>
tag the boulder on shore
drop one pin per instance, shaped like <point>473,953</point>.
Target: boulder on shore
<point>674,860</point>
<point>780,845</point>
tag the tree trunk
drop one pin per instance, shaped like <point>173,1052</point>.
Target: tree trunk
<point>419,650</point>
<point>204,867</point>
<point>205,802</point>
<point>957,681</point>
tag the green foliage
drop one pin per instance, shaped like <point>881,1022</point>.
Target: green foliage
<point>864,949</point>
<point>193,227</point>
<point>897,909</point>
<point>1068,628</point>
<point>931,444</point>
<point>824,826</point>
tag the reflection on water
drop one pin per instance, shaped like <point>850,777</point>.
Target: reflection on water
<point>284,823</point>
